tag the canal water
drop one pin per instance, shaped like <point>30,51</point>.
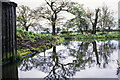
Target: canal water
<point>73,59</point>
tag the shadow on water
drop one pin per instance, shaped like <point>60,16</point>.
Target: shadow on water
<point>58,64</point>
<point>9,72</point>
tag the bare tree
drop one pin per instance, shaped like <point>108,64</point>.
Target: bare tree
<point>51,11</point>
<point>103,19</point>
<point>94,21</point>
<point>25,17</point>
<point>106,19</point>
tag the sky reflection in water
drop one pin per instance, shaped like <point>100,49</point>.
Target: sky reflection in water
<point>73,59</point>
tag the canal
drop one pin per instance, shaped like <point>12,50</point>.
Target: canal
<point>71,59</point>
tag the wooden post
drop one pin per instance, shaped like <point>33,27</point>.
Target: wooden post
<point>10,72</point>
<point>0,40</point>
<point>8,30</point>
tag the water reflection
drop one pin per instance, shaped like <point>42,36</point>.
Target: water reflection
<point>59,64</point>
<point>9,72</point>
<point>118,62</point>
<point>96,53</point>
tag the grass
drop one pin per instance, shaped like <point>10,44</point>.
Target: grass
<point>31,35</point>
<point>99,35</point>
<point>29,42</point>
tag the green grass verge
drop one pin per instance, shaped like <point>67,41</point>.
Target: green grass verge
<point>98,35</point>
<point>44,42</point>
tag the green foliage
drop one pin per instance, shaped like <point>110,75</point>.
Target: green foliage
<point>31,37</point>
<point>18,52</point>
<point>19,35</point>
<point>91,36</point>
<point>30,33</point>
<point>19,29</point>
<point>26,33</point>
<point>25,17</point>
<point>79,20</point>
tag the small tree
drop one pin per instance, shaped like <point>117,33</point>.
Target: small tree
<point>25,17</point>
<point>51,10</point>
<point>106,19</point>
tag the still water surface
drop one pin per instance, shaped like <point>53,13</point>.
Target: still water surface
<point>73,59</point>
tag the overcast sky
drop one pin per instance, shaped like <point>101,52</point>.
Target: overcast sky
<point>92,4</point>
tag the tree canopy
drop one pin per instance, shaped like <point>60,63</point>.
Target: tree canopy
<point>25,17</point>
<point>50,11</point>
<point>80,18</point>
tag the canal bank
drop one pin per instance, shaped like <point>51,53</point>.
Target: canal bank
<point>30,43</point>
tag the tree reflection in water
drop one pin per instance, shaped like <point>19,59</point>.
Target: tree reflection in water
<point>86,54</point>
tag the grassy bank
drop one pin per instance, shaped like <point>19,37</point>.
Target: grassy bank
<point>98,35</point>
<point>30,42</point>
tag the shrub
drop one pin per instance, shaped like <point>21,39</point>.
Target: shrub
<point>32,36</point>
<point>19,29</point>
<point>19,35</point>
<point>30,33</point>
<point>36,37</point>
<point>26,32</point>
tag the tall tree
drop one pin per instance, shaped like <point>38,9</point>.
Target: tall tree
<point>51,11</point>
<point>103,19</point>
<point>94,21</point>
<point>25,17</point>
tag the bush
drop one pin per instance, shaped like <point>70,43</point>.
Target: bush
<point>30,33</point>
<point>26,32</point>
<point>19,29</point>
<point>19,35</point>
<point>32,36</point>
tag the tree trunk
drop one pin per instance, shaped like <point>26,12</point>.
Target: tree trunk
<point>95,22</point>
<point>94,29</point>
<point>53,28</point>
<point>81,31</point>
<point>86,29</point>
<point>26,28</point>
<point>96,53</point>
<point>109,29</point>
<point>54,49</point>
